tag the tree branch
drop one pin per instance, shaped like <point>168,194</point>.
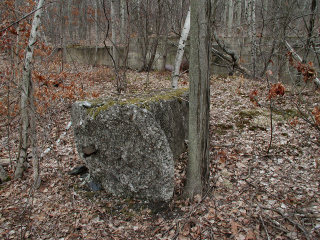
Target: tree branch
<point>25,16</point>
<point>298,58</point>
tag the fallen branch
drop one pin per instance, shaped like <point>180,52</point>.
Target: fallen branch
<point>277,225</point>
<point>230,56</point>
<point>186,218</point>
<point>300,227</point>
<point>298,58</point>
<point>229,59</point>
<point>264,226</point>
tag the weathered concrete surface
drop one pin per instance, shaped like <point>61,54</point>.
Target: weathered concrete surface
<point>130,147</point>
<point>172,116</point>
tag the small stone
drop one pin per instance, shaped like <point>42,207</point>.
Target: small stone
<point>89,150</point>
<point>86,104</point>
<point>5,162</point>
<point>94,186</point>
<point>79,170</point>
<point>169,68</point>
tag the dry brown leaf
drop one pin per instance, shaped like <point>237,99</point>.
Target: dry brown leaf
<point>234,227</point>
<point>250,235</point>
<point>197,198</point>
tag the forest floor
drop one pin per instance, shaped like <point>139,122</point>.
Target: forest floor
<point>258,189</point>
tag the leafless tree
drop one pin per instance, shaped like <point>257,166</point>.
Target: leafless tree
<point>199,98</point>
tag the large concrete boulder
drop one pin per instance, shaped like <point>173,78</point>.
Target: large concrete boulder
<point>129,145</point>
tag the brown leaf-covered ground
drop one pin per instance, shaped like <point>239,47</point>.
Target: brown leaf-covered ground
<point>257,190</point>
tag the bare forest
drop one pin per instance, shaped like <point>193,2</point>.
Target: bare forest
<point>252,69</point>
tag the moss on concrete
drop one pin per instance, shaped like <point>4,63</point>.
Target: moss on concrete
<point>144,100</point>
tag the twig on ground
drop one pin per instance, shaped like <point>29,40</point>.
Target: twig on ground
<point>188,215</point>
<point>264,226</point>
<point>299,226</point>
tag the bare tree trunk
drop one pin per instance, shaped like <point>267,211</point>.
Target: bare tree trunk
<point>96,29</point>
<point>114,34</point>
<point>120,85</point>
<point>180,52</point>
<point>122,21</point>
<point>238,11</point>
<point>70,25</point>
<point>310,29</point>
<point>247,14</point>
<point>26,91</point>
<point>230,17</point>
<point>254,37</point>
<point>165,45</point>
<point>33,140</point>
<point>158,31</point>
<point>83,27</point>
<point>17,50</point>
<point>199,99</point>
<point>265,5</point>
<point>181,15</point>
<point>62,30</point>
<point>253,34</point>
<point>143,37</point>
<point>225,17</point>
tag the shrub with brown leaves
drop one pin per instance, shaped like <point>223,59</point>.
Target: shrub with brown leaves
<point>307,70</point>
<point>253,95</point>
<point>277,89</point>
<point>316,114</point>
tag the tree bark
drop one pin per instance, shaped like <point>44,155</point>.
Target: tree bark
<point>238,11</point>
<point>199,99</point>
<point>33,140</point>
<point>62,31</point>
<point>230,17</point>
<point>96,29</point>
<point>114,34</point>
<point>251,11</point>
<point>180,52</point>
<point>70,24</point>
<point>26,91</point>
<point>310,30</point>
<point>225,18</point>
<point>166,31</point>
<point>123,21</point>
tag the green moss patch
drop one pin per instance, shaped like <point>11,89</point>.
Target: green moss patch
<point>249,113</point>
<point>288,113</point>
<point>142,100</point>
<point>257,119</point>
<point>222,128</point>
